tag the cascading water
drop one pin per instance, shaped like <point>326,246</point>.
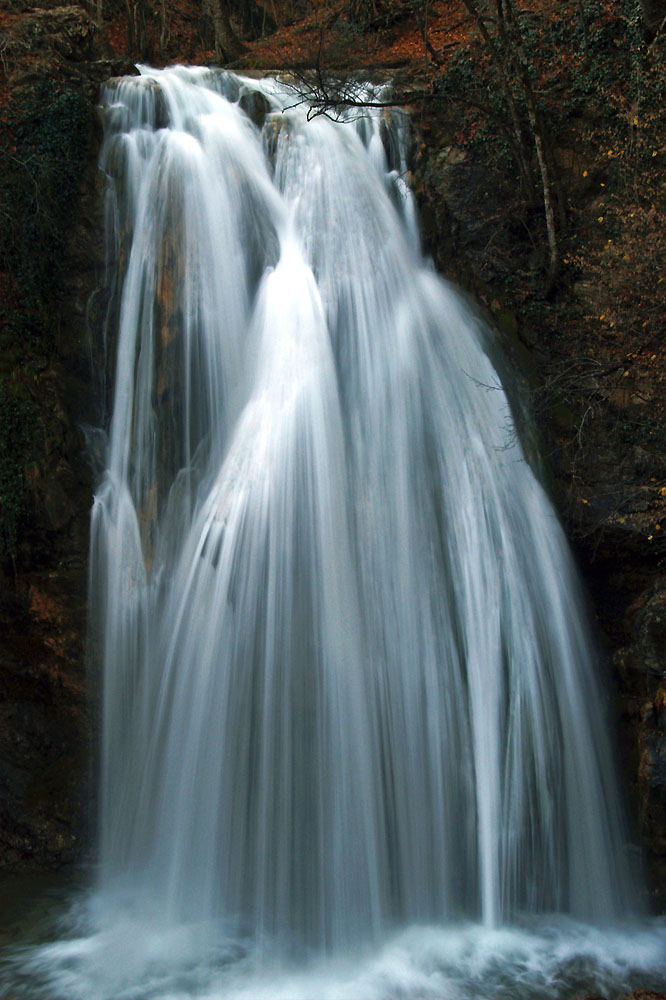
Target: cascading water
<point>348,691</point>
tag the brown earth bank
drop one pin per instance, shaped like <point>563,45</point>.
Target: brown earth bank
<point>577,301</point>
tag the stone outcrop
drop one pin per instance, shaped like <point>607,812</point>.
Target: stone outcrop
<point>66,31</point>
<point>46,702</point>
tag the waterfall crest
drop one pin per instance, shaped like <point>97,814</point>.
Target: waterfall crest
<point>347,680</point>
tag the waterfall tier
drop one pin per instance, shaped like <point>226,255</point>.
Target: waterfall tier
<point>348,685</point>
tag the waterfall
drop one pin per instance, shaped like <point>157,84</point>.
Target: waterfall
<point>347,683</point>
<point>349,696</point>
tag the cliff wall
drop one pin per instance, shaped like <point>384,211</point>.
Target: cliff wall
<point>590,356</point>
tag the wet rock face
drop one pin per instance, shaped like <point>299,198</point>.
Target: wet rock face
<point>45,714</point>
<point>651,632</point>
<point>43,732</point>
<point>44,703</point>
<point>641,672</point>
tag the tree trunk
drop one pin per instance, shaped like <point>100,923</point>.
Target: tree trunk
<point>513,43</point>
<point>519,146</point>
<point>227,45</point>
<point>165,25</point>
<point>654,14</point>
<point>136,27</point>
